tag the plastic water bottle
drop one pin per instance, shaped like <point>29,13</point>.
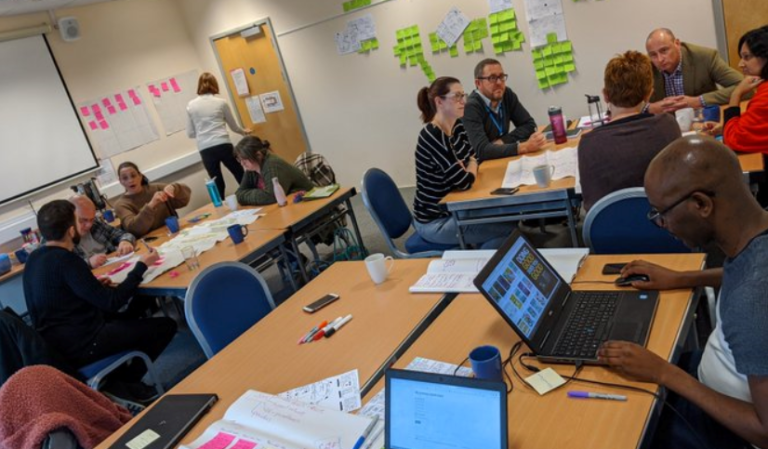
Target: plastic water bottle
<point>279,192</point>
<point>558,124</point>
<point>213,191</point>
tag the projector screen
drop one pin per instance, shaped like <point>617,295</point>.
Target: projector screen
<point>42,141</point>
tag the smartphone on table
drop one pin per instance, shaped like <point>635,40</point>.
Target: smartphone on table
<point>320,303</point>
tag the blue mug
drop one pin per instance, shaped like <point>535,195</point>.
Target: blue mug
<point>237,233</point>
<point>173,224</point>
<point>711,113</point>
<point>21,255</point>
<point>109,215</point>
<point>486,363</point>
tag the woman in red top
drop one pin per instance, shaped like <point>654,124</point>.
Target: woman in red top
<point>749,132</point>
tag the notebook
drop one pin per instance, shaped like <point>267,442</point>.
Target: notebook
<point>166,422</point>
<point>558,324</point>
<point>438,411</point>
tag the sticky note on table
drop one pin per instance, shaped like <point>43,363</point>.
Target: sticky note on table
<point>545,381</point>
<point>143,439</point>
<point>220,441</point>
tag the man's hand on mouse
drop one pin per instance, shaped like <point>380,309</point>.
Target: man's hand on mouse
<point>659,278</point>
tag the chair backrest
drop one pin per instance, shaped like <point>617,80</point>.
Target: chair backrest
<point>617,224</point>
<point>316,168</point>
<point>224,301</point>
<point>383,200</point>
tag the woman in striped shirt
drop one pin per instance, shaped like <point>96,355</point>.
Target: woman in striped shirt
<point>445,161</point>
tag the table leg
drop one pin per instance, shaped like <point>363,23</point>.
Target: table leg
<point>291,280</point>
<point>572,223</point>
<point>459,232</point>
<point>302,269</point>
<point>351,214</point>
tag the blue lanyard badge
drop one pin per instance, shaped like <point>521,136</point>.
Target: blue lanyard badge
<point>497,121</point>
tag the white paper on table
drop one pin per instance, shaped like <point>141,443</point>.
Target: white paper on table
<point>499,5</point>
<point>271,102</point>
<point>241,84</point>
<point>538,9</point>
<point>341,393</point>
<point>347,42</point>
<point>363,27</point>
<point>254,109</point>
<point>452,26</point>
<point>115,259</point>
<point>540,28</point>
<point>520,171</point>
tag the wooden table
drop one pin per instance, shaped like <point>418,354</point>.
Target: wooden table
<point>267,357</point>
<point>553,420</point>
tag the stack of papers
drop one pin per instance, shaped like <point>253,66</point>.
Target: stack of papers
<point>520,171</point>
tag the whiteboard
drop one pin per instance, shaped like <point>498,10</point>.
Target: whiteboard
<point>41,139</point>
<point>359,110</point>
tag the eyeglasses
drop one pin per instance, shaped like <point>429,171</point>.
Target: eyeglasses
<point>494,78</point>
<point>458,97</point>
<point>656,216</point>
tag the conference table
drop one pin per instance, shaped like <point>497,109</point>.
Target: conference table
<point>267,357</point>
<point>553,420</point>
<point>478,206</point>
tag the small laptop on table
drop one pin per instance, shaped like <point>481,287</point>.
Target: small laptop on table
<point>438,411</point>
<point>558,324</point>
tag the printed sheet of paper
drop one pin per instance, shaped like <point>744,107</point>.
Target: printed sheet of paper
<point>452,26</point>
<point>520,171</point>
<point>340,392</point>
<point>117,123</point>
<point>171,96</point>
<point>254,109</point>
<point>540,28</point>
<point>271,102</point>
<point>241,83</point>
<point>499,5</point>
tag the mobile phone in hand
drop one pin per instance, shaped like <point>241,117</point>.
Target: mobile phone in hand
<point>320,303</point>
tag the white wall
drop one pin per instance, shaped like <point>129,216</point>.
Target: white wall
<point>359,110</point>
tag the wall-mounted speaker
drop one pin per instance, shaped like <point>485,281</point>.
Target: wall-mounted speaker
<point>69,28</point>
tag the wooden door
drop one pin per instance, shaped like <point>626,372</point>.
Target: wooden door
<point>741,16</point>
<point>257,56</point>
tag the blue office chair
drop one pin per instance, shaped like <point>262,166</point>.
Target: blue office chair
<point>97,371</point>
<point>224,301</point>
<point>390,213</point>
<point>618,224</point>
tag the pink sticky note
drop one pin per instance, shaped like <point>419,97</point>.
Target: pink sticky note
<point>244,444</point>
<point>85,111</point>
<point>103,124</point>
<point>119,98</point>
<point>220,441</point>
<point>164,86</point>
<point>122,105</point>
<point>136,101</point>
<point>96,108</point>
<point>156,93</point>
<point>106,102</point>
<point>174,85</point>
<point>99,115</point>
<point>151,87</point>
<point>93,125</point>
<point>111,109</point>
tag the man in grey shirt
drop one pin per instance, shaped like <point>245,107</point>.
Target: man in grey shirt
<point>696,192</point>
<point>97,238</point>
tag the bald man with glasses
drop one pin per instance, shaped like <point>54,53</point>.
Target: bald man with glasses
<point>489,111</point>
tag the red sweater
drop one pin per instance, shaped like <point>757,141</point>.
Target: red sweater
<point>749,132</point>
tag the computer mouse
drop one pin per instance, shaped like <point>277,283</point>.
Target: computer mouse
<point>627,281</point>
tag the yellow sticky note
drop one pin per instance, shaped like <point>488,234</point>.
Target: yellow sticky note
<point>545,381</point>
<point>143,439</point>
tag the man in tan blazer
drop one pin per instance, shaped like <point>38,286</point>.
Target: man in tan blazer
<point>686,75</point>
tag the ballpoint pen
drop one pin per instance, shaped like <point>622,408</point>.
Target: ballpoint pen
<point>590,395</point>
<point>367,432</point>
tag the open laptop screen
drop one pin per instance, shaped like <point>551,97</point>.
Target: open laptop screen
<point>522,285</point>
<point>425,414</point>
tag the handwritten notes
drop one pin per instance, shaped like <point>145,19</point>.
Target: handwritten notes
<point>520,171</point>
<point>340,392</point>
<point>452,26</point>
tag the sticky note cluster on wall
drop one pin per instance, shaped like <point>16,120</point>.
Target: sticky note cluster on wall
<point>439,45</point>
<point>410,50</point>
<point>505,35</point>
<point>367,46</point>
<point>553,62</point>
<point>355,4</point>
<point>474,34</point>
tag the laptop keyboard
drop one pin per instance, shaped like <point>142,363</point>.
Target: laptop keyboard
<point>587,326</point>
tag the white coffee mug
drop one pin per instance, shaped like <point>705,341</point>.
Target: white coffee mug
<point>232,202</point>
<point>685,119</point>
<point>543,175</point>
<point>378,267</point>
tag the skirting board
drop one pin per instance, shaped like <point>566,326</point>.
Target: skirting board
<point>9,229</point>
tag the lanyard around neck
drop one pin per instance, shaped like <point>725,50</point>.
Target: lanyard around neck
<point>497,121</point>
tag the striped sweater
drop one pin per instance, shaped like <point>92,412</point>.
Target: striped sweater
<point>440,161</point>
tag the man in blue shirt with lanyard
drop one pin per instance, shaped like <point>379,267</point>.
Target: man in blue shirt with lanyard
<point>488,112</point>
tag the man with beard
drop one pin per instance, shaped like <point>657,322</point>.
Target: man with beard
<point>489,111</point>
<point>77,314</point>
<point>696,192</point>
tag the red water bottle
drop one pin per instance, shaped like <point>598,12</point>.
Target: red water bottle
<point>558,124</point>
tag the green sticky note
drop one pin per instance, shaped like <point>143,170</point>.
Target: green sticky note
<point>550,71</point>
<point>541,74</point>
<point>495,39</point>
<point>497,49</point>
<point>551,38</point>
<point>558,59</point>
<point>511,13</point>
<point>546,51</point>
<point>454,51</point>
<point>515,45</point>
<point>536,54</point>
<point>478,46</point>
<point>538,65</point>
<point>403,59</point>
<point>567,57</point>
<point>508,14</point>
<point>543,84</point>
<point>513,25</point>
<point>569,67</point>
<point>494,19</point>
<point>494,29</point>
<point>375,44</point>
<point>567,46</point>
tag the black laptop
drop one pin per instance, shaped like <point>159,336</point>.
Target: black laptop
<point>558,324</point>
<point>438,411</point>
<point>166,422</point>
